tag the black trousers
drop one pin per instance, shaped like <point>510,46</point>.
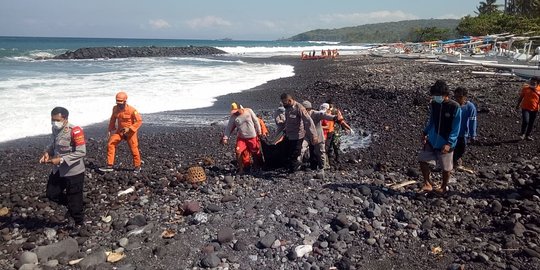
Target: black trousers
<point>315,159</point>
<point>527,121</point>
<point>459,150</point>
<point>67,191</point>
<point>293,149</point>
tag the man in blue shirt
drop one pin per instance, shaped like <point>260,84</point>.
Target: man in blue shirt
<point>467,130</point>
<point>439,137</point>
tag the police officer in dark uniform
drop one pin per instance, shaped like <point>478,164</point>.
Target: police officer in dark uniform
<point>66,153</point>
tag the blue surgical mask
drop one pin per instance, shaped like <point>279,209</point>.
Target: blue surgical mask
<point>438,99</point>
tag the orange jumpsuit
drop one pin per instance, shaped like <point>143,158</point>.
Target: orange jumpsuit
<point>264,129</point>
<point>128,117</point>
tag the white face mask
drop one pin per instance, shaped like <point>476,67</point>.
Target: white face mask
<point>57,124</point>
<point>438,99</point>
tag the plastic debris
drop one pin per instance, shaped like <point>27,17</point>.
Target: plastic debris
<point>106,219</point>
<point>113,257</point>
<point>168,233</point>
<point>4,211</point>
<point>127,191</point>
<point>302,250</point>
<point>437,251</point>
<point>74,262</point>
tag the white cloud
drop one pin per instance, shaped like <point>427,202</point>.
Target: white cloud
<point>208,22</point>
<point>268,24</point>
<point>159,24</point>
<point>353,19</point>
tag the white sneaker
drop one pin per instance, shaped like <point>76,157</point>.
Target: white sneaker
<point>107,169</point>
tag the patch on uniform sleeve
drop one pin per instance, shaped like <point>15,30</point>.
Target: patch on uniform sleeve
<point>135,112</point>
<point>77,136</point>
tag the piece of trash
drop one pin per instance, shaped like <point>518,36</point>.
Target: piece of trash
<point>302,250</point>
<point>74,262</point>
<point>168,233</point>
<point>402,184</point>
<point>113,257</point>
<point>467,170</point>
<point>4,211</point>
<point>200,218</point>
<point>127,191</point>
<point>436,251</point>
<point>135,232</point>
<point>106,219</point>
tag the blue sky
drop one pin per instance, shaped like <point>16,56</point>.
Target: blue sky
<point>210,19</point>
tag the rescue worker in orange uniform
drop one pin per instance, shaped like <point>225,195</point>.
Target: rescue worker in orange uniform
<point>129,121</point>
<point>264,129</point>
<point>248,129</point>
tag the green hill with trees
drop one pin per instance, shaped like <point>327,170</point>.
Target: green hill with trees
<point>513,16</point>
<point>412,30</point>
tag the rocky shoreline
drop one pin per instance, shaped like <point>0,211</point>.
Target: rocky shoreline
<point>125,52</point>
<point>353,219</point>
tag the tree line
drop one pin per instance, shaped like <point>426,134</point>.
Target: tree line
<point>411,30</point>
<point>513,16</point>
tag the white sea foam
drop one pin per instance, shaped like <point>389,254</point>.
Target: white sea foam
<point>292,50</point>
<point>325,42</point>
<point>87,88</point>
<point>41,54</point>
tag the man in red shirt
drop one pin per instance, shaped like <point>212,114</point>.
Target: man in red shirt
<point>529,100</point>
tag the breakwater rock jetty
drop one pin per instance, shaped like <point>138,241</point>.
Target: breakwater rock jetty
<point>125,52</point>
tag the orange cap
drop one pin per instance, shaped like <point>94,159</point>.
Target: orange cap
<point>121,97</point>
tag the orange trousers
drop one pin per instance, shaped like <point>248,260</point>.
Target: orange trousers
<point>245,148</point>
<point>133,143</point>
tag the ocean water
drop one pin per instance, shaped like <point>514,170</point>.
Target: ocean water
<point>30,88</point>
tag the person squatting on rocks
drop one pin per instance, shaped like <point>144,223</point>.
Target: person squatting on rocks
<point>129,121</point>
<point>333,133</point>
<point>66,153</point>
<point>529,99</point>
<point>439,137</point>
<point>317,152</point>
<point>247,139</point>
<point>297,125</point>
<point>467,131</point>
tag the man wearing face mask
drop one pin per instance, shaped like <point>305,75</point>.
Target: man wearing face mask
<point>297,125</point>
<point>129,121</point>
<point>440,135</point>
<point>66,153</point>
